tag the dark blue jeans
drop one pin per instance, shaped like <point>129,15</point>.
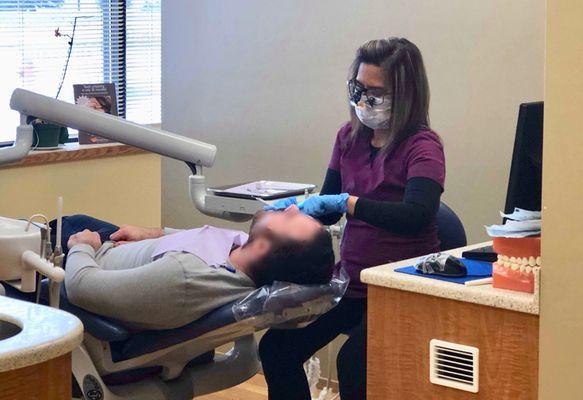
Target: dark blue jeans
<point>76,223</point>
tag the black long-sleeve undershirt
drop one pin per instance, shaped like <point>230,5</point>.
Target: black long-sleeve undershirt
<point>418,208</point>
<point>332,185</point>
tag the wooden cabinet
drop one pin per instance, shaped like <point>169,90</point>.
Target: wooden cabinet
<point>401,324</point>
<point>50,380</point>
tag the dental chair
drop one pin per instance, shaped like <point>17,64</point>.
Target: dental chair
<point>117,363</point>
<point>114,363</point>
<point>152,364</point>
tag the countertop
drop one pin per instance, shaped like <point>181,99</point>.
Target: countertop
<point>46,333</point>
<point>385,276</point>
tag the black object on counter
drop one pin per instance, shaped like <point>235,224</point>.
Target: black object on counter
<point>481,254</point>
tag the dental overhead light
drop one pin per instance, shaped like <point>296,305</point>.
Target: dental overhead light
<point>193,152</point>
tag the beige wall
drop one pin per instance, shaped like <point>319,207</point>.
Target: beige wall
<point>561,317</point>
<point>264,80</point>
<point>122,189</point>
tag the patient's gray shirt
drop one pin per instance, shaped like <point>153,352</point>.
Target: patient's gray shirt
<point>124,283</point>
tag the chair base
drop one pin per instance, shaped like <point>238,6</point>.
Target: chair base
<point>241,362</point>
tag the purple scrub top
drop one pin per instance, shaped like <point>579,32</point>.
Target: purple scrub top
<point>383,179</point>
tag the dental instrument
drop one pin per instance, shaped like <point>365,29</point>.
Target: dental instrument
<point>479,282</point>
<point>57,257</point>
<point>58,248</point>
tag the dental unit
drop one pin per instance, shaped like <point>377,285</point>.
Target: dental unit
<point>115,363</point>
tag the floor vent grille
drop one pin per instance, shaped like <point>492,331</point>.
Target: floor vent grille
<point>454,365</point>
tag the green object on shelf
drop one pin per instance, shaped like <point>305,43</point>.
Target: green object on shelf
<point>49,135</point>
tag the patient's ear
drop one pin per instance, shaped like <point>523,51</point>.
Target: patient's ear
<point>261,246</point>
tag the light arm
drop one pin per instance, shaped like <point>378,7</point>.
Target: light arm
<point>193,152</point>
<point>21,146</point>
<point>111,127</point>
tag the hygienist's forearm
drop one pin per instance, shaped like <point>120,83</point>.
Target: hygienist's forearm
<point>409,217</point>
<point>332,185</point>
<point>351,205</point>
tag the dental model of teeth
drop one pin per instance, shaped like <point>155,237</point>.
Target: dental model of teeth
<point>518,262</point>
<point>523,264</point>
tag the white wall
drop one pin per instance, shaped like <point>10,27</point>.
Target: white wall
<point>265,80</point>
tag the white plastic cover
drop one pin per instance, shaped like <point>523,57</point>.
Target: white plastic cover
<point>288,305</point>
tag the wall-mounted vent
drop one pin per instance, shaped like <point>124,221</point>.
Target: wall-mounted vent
<point>454,365</point>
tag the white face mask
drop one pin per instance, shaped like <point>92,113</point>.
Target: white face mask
<point>372,117</point>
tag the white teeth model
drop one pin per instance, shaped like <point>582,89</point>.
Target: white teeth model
<point>522,264</point>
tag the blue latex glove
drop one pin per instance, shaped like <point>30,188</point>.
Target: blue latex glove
<point>281,204</point>
<point>317,206</point>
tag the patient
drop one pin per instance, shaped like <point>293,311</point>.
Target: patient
<point>160,279</point>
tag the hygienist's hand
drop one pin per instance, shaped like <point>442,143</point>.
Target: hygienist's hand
<point>85,237</point>
<point>129,233</point>
<point>281,204</point>
<point>317,206</point>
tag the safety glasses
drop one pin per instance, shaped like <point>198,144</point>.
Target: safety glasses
<point>357,93</point>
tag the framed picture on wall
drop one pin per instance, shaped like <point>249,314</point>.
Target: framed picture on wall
<point>100,97</point>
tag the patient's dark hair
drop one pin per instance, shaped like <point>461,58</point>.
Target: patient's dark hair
<point>303,262</point>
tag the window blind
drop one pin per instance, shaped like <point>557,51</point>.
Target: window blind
<point>143,55</point>
<point>115,41</point>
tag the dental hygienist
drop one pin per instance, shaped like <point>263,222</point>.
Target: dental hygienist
<point>386,175</point>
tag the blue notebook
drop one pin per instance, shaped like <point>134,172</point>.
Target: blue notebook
<point>476,270</point>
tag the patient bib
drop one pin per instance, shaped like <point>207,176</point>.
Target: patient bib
<point>210,244</point>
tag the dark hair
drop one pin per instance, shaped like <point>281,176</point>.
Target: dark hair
<point>402,65</point>
<point>105,103</point>
<point>305,263</point>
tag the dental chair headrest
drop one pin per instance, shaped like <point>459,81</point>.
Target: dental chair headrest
<point>289,305</point>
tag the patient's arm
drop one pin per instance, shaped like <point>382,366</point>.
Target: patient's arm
<point>130,233</point>
<point>85,237</point>
<point>145,295</point>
